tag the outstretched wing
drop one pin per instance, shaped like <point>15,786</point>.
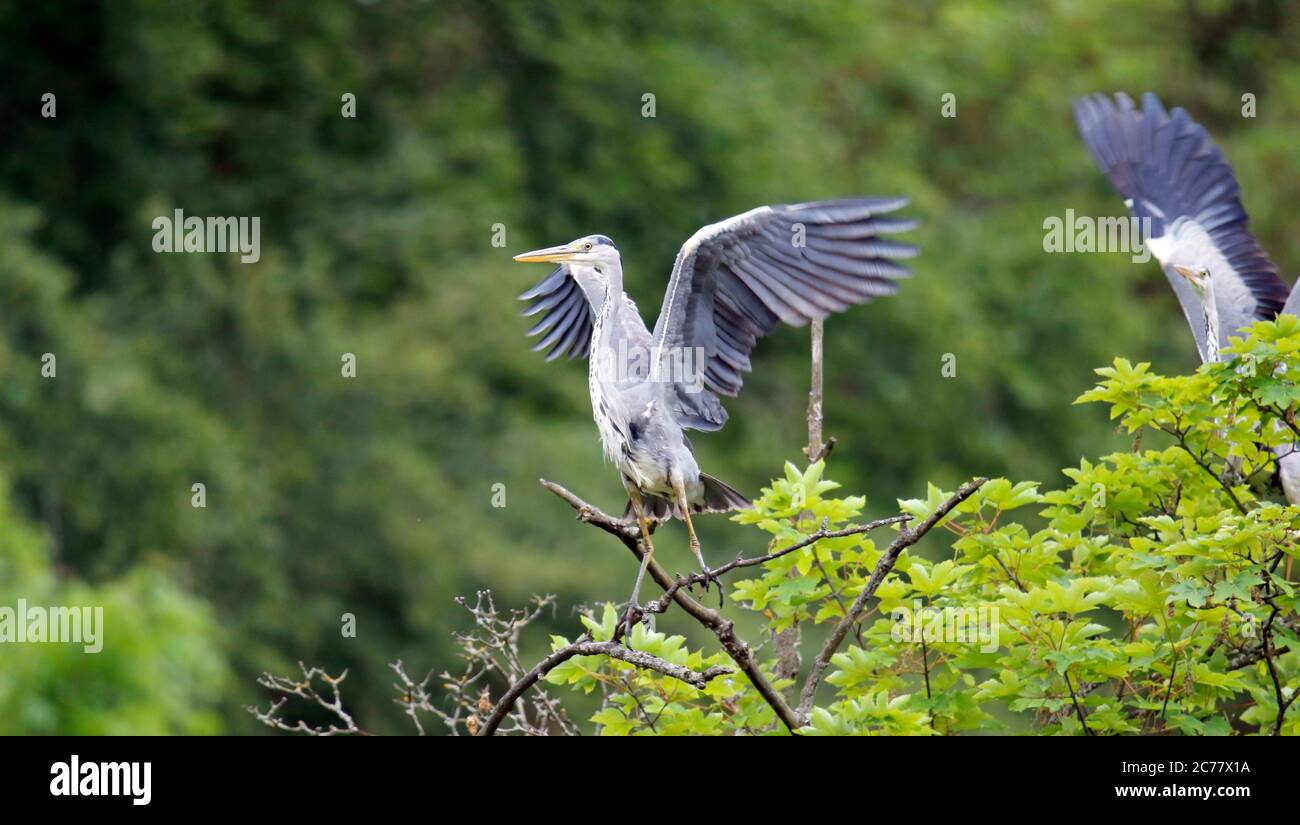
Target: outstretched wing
<point>1168,170</point>
<point>735,280</point>
<point>567,316</point>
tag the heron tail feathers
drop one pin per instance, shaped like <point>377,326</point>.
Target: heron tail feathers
<point>656,509</point>
<point>719,497</point>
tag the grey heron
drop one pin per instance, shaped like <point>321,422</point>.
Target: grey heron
<point>733,282</point>
<point>1171,174</point>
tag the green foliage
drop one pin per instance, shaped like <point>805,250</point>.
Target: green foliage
<point>1154,594</point>
<point>161,668</point>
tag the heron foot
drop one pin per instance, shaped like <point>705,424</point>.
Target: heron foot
<point>710,578</point>
<point>629,623</point>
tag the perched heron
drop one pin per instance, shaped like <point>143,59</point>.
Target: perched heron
<point>732,283</point>
<point>1170,172</point>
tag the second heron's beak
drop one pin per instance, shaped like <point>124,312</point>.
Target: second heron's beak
<point>1185,272</point>
<point>554,253</point>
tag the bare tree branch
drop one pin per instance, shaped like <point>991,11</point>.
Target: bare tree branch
<point>907,536</point>
<point>304,690</point>
<point>814,450</point>
<point>586,647</point>
<point>414,695</point>
<point>490,652</point>
<point>787,642</point>
<point>644,660</point>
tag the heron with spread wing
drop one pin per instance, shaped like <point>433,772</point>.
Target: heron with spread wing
<point>1171,174</point>
<point>732,283</point>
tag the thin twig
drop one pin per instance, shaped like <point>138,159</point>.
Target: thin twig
<point>811,538</point>
<point>304,690</point>
<point>1283,703</point>
<point>1077,709</point>
<point>1181,437</point>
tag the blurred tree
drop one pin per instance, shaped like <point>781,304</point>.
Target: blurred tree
<point>161,667</point>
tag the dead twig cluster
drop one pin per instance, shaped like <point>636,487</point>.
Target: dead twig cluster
<point>305,689</point>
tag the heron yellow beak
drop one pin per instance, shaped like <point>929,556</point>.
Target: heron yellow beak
<point>1185,272</point>
<point>554,253</point>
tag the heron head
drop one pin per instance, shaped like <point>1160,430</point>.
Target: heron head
<point>1198,276</point>
<point>592,250</point>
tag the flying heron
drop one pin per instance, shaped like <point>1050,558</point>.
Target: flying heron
<point>1171,174</point>
<point>732,283</point>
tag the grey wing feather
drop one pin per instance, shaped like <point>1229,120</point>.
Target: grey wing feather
<point>568,318</point>
<point>568,315</point>
<point>735,280</point>
<point>1170,172</point>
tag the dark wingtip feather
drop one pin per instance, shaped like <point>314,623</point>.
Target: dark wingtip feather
<point>547,285</point>
<point>567,315</point>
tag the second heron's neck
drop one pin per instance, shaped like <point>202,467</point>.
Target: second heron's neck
<point>1211,327</point>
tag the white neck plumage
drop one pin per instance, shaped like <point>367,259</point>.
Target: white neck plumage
<point>1211,322</point>
<point>601,361</point>
<point>605,321</point>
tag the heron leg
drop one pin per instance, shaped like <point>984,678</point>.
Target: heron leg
<point>648,551</point>
<point>679,490</point>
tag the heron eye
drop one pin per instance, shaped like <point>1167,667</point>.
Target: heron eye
<point>586,246</point>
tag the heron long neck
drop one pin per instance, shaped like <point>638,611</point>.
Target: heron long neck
<point>600,362</point>
<point>606,324</point>
<point>1211,322</point>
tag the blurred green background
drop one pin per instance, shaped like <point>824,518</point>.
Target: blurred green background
<point>373,495</point>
